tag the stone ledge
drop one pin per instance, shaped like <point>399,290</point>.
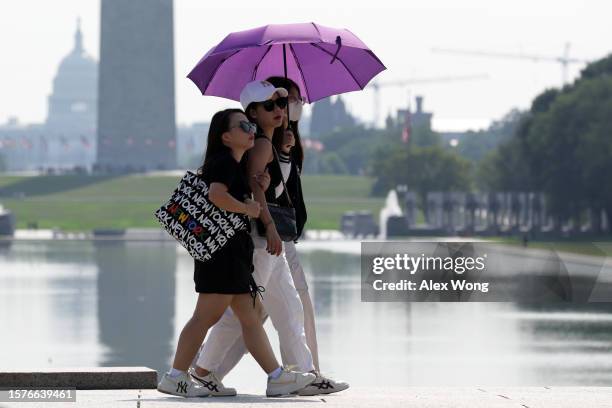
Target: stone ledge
<point>82,378</point>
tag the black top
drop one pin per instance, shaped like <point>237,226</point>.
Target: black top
<point>223,168</point>
<point>294,187</point>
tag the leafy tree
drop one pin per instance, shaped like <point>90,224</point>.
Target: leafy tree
<point>331,163</point>
<point>475,145</point>
<point>421,169</point>
<point>563,147</point>
<point>423,136</point>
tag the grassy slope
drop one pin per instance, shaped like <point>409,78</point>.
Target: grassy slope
<point>85,202</point>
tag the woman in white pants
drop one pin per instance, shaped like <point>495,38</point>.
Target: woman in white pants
<point>286,299</point>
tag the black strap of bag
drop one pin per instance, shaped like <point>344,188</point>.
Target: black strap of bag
<point>282,178</point>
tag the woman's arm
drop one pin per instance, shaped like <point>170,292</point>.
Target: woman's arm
<point>263,179</point>
<point>259,156</point>
<point>220,197</point>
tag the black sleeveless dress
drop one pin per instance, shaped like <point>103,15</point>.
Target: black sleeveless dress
<point>230,270</point>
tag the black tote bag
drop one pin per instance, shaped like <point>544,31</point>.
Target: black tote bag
<point>195,222</point>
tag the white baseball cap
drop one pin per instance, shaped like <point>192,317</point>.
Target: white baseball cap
<point>259,91</point>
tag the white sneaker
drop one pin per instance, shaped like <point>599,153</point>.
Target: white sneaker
<point>289,382</point>
<point>182,385</point>
<point>214,385</point>
<point>323,385</point>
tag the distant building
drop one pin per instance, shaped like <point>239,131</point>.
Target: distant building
<point>419,119</point>
<point>191,144</point>
<point>136,110</point>
<point>67,137</point>
<point>73,102</point>
<point>328,116</point>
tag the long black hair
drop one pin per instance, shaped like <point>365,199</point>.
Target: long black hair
<point>297,152</point>
<point>219,124</point>
<point>247,112</point>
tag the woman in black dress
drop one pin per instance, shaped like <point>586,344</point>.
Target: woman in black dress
<point>226,280</point>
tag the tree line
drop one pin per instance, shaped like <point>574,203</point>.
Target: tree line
<point>561,146</point>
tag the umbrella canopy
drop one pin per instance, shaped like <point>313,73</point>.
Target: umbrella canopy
<point>323,61</point>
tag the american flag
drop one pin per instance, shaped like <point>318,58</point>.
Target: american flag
<point>407,127</point>
<point>86,143</point>
<point>43,144</point>
<point>64,142</point>
<point>26,143</point>
<point>313,144</point>
<point>9,142</point>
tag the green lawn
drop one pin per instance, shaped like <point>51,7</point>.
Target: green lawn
<point>78,203</point>
<point>327,197</point>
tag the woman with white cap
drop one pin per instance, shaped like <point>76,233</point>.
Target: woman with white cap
<point>226,281</point>
<point>265,105</point>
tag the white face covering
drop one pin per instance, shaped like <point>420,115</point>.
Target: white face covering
<point>295,111</point>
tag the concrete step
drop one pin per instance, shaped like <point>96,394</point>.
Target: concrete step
<point>355,397</point>
<point>82,378</point>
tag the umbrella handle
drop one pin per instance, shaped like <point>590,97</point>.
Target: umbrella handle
<point>339,44</point>
<point>285,69</point>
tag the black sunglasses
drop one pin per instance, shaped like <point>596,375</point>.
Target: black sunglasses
<point>269,104</point>
<point>246,126</point>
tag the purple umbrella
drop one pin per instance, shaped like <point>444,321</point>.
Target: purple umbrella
<point>323,61</point>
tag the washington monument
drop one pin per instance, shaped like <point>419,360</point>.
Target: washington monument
<point>136,109</point>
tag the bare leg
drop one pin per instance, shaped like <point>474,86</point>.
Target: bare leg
<point>283,305</point>
<point>208,311</point>
<point>202,372</point>
<point>254,335</point>
<point>235,352</point>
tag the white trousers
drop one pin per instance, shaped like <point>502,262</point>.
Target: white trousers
<point>224,346</point>
<point>299,280</point>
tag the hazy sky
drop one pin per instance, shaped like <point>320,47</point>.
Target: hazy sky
<point>36,34</point>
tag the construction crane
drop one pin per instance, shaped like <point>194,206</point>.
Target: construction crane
<point>406,82</point>
<point>565,60</point>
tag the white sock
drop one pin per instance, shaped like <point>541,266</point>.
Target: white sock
<point>173,373</point>
<point>275,374</point>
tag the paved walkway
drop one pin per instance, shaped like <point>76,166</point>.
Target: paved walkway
<point>404,397</point>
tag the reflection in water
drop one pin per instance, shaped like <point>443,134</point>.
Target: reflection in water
<point>454,343</point>
<point>47,304</point>
<point>118,304</point>
<point>568,343</point>
<point>136,302</point>
<point>329,270</point>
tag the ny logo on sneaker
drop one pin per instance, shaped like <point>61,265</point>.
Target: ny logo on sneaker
<point>323,385</point>
<point>181,387</point>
